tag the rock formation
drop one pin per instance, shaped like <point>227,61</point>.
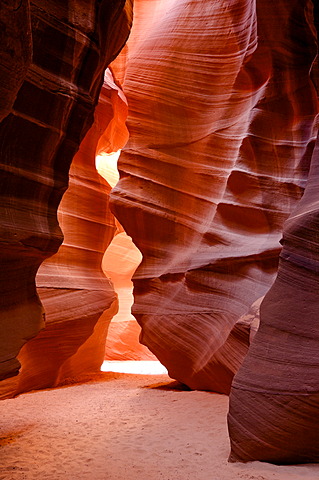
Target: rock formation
<point>274,399</point>
<point>15,50</point>
<point>119,263</point>
<point>71,284</point>
<point>221,114</point>
<point>47,110</point>
<point>222,120</point>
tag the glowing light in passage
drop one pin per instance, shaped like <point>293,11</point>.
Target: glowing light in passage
<point>106,165</point>
<point>136,367</point>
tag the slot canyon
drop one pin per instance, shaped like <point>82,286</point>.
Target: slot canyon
<point>211,108</point>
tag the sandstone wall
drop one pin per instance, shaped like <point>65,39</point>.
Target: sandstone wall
<point>47,109</point>
<point>274,398</point>
<point>221,122</point>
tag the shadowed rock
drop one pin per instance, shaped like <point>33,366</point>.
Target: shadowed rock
<point>50,115</point>
<point>274,397</point>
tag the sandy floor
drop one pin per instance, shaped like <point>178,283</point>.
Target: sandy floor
<point>124,427</point>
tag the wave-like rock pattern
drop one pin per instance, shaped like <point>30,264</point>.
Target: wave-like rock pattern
<point>275,395</point>
<point>51,113</point>
<point>71,285</point>
<point>221,113</point>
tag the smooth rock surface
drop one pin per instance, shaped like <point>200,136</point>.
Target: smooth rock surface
<point>275,396</point>
<point>221,122</point>
<point>52,111</point>
<point>78,298</point>
<point>119,263</point>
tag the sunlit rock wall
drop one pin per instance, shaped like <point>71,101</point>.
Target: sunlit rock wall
<point>221,122</point>
<point>44,122</point>
<point>119,263</point>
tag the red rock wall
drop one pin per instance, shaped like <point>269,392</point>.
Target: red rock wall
<point>119,263</point>
<point>15,50</point>
<point>274,398</point>
<point>71,285</point>
<point>221,112</point>
<point>52,110</point>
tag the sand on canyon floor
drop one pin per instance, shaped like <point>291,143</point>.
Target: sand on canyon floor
<point>124,427</point>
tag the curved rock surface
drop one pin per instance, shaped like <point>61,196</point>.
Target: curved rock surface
<point>275,395</point>
<point>71,284</point>
<point>52,111</point>
<point>119,263</point>
<point>221,114</point>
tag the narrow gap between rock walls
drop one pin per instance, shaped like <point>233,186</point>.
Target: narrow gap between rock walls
<point>123,351</point>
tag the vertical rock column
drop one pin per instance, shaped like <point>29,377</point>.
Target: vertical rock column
<point>15,58</point>
<point>73,42</point>
<point>274,401</point>
<point>78,299</point>
<point>221,111</point>
<point>275,395</point>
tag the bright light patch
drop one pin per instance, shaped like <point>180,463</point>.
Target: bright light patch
<point>136,367</point>
<point>106,165</point>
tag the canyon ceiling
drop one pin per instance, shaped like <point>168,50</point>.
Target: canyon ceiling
<point>215,107</point>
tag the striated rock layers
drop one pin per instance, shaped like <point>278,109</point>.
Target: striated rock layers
<point>119,263</point>
<point>274,401</point>
<point>44,121</point>
<point>71,284</point>
<point>15,50</point>
<point>221,114</point>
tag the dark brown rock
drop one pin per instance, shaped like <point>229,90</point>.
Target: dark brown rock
<point>52,111</point>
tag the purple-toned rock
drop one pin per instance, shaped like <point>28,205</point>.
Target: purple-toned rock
<point>274,397</point>
<point>221,113</point>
